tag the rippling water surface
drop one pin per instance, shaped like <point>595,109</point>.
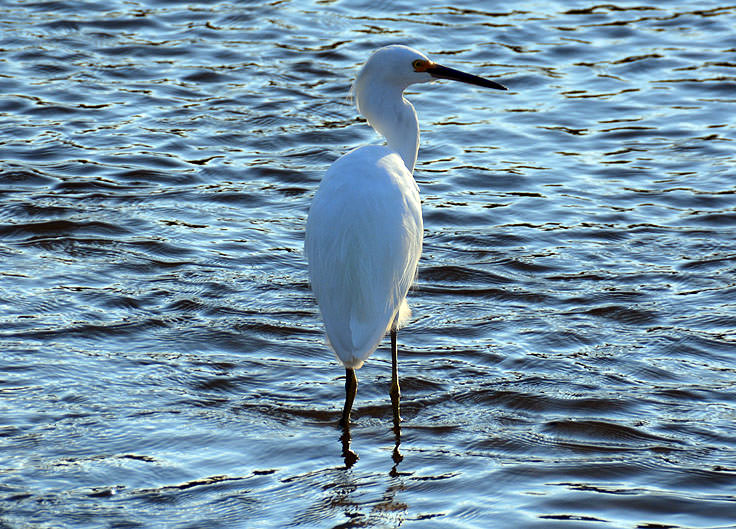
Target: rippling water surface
<point>572,357</point>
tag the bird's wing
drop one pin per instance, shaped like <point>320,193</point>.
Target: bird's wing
<point>363,242</point>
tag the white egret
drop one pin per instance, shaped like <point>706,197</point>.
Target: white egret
<point>364,230</point>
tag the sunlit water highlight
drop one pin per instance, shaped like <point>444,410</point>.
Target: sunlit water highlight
<point>572,358</point>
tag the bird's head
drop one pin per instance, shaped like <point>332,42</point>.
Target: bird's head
<point>401,66</point>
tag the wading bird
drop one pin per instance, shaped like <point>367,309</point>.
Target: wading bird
<point>364,230</point>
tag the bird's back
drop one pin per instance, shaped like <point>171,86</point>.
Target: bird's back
<point>363,242</point>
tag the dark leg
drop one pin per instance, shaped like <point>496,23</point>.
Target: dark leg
<point>395,395</point>
<point>395,391</point>
<point>351,388</point>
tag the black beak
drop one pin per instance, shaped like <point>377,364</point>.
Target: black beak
<point>443,72</point>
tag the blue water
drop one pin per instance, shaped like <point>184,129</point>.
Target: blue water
<point>572,356</point>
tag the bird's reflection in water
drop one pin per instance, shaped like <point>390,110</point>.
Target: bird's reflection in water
<point>354,493</point>
<point>396,455</point>
<point>351,457</point>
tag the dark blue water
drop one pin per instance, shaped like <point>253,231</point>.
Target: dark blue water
<point>572,357</point>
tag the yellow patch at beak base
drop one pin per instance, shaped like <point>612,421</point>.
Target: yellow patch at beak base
<point>422,66</point>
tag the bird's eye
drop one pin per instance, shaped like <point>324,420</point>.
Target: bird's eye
<point>419,65</point>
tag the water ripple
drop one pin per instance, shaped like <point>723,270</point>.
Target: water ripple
<point>570,359</point>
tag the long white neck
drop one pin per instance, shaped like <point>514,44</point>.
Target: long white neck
<point>385,108</point>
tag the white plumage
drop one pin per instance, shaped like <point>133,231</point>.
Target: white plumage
<point>364,230</point>
<point>363,242</point>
